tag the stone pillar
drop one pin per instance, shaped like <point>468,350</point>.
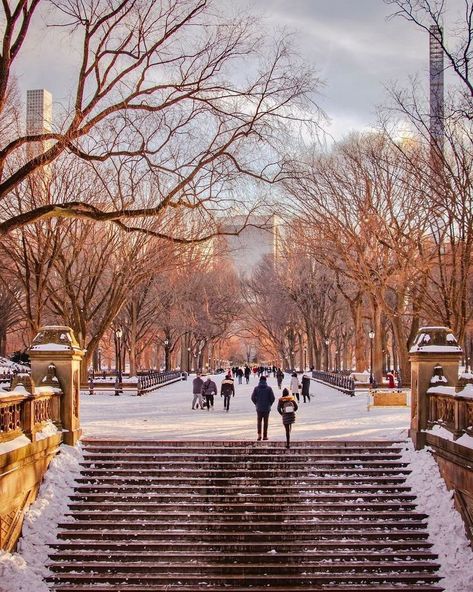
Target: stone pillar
<point>433,346</point>
<point>56,344</point>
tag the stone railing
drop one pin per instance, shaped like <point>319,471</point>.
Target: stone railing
<point>452,412</point>
<point>24,412</point>
<point>343,383</point>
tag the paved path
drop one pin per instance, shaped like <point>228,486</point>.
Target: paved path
<point>166,414</point>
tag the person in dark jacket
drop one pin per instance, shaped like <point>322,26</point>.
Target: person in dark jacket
<point>247,374</point>
<point>287,407</point>
<point>209,390</point>
<point>305,388</point>
<point>279,377</point>
<point>227,389</point>
<point>197,384</point>
<point>263,398</point>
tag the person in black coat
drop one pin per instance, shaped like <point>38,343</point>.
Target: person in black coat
<point>279,377</point>
<point>305,388</point>
<point>263,398</point>
<point>227,389</point>
<point>247,374</point>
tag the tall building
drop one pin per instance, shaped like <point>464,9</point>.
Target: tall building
<point>39,111</point>
<point>39,119</point>
<point>437,68</point>
<point>262,238</point>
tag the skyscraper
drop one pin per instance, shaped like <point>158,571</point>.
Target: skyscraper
<point>39,108</point>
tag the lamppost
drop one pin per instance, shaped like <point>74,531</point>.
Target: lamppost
<point>118,381</point>
<point>327,341</point>
<point>336,361</point>
<point>305,359</point>
<point>188,359</point>
<point>166,362</point>
<point>293,361</point>
<point>371,336</point>
<point>99,361</point>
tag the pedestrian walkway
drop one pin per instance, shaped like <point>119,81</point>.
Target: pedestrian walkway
<point>166,414</point>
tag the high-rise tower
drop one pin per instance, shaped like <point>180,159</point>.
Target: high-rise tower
<point>437,129</point>
<point>39,104</point>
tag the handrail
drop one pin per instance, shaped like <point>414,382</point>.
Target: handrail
<point>343,383</point>
<point>26,413</point>
<point>452,412</point>
<point>148,382</point>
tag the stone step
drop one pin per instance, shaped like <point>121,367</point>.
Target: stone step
<point>244,515</point>
<point>283,524</point>
<point>365,587</point>
<point>369,506</point>
<point>229,569</point>
<point>271,556</point>
<point>176,534</point>
<point>228,444</point>
<point>217,471</point>
<point>236,546</point>
<point>238,481</point>
<point>186,497</point>
<point>263,454</point>
<point>273,464</point>
<point>261,579</point>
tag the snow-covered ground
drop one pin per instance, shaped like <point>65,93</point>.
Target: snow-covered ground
<point>166,414</point>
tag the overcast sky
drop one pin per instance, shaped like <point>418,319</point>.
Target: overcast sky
<point>356,49</point>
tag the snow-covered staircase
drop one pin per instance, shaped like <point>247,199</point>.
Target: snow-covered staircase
<point>234,516</point>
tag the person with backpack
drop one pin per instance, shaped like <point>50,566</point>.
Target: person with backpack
<point>209,390</point>
<point>287,407</point>
<point>227,389</point>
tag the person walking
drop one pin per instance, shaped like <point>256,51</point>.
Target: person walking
<point>197,384</point>
<point>227,389</point>
<point>279,377</point>
<point>239,374</point>
<point>263,398</point>
<point>247,374</point>
<point>305,388</point>
<point>209,390</point>
<point>294,385</point>
<point>287,407</point>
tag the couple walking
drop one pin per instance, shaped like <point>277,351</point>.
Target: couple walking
<point>263,398</point>
<point>208,389</point>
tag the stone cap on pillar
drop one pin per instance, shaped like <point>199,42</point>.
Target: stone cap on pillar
<point>55,338</point>
<point>435,340</point>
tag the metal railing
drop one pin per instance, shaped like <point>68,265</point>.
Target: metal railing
<point>343,383</point>
<point>149,381</point>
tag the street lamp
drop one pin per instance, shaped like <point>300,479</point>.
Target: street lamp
<point>305,359</point>
<point>188,359</point>
<point>118,381</point>
<point>371,336</point>
<point>166,363</point>
<point>327,341</point>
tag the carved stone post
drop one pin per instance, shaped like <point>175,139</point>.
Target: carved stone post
<point>432,346</point>
<point>56,344</point>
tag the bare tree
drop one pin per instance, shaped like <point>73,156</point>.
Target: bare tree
<point>156,85</point>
